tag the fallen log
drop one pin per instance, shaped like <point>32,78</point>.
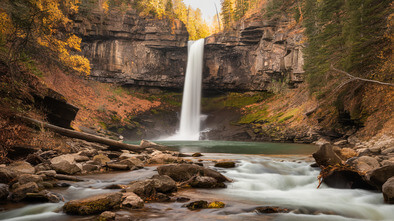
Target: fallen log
<point>113,144</point>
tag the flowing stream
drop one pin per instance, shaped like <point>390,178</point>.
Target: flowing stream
<point>264,176</point>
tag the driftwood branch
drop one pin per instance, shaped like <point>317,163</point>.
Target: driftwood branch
<point>354,78</point>
<point>84,136</point>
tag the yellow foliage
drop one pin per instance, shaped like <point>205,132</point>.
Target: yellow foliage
<point>105,6</point>
<point>216,204</point>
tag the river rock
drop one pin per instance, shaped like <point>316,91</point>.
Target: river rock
<point>88,152</point>
<point>326,156</point>
<point>47,173</point>
<point>21,167</point>
<point>65,164</point>
<point>365,164</point>
<point>388,150</point>
<point>26,178</point>
<point>44,196</point>
<point>131,200</point>
<point>7,175</point>
<point>164,184</point>
<point>183,172</point>
<point>271,209</point>
<point>4,191</point>
<point>201,204</point>
<point>149,144</point>
<point>107,216</point>
<point>89,168</point>
<point>380,175</point>
<point>347,179</point>
<point>20,193</point>
<point>205,182</point>
<point>225,164</point>
<point>94,204</point>
<point>101,159</point>
<point>34,159</point>
<point>132,162</point>
<point>143,188</point>
<point>388,191</point>
<point>158,157</point>
<point>117,166</point>
<point>197,155</point>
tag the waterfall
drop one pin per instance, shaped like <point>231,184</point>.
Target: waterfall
<point>190,115</point>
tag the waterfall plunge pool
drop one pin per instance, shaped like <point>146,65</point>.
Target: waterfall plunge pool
<point>266,174</point>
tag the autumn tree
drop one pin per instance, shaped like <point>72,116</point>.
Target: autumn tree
<point>44,23</point>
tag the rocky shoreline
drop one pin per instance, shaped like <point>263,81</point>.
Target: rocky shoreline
<point>32,180</point>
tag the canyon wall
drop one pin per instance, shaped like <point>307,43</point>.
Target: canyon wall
<point>127,49</point>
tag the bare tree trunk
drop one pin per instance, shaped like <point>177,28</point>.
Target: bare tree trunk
<point>84,136</point>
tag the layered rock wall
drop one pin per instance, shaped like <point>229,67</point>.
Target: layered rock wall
<point>128,49</point>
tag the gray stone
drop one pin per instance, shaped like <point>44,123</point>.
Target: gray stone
<point>20,193</point>
<point>107,216</point>
<point>94,204</point>
<point>164,184</point>
<point>380,175</point>
<point>21,167</point>
<point>183,172</point>
<point>4,191</point>
<point>6,175</point>
<point>388,191</point>
<point>131,200</point>
<point>65,164</point>
<point>326,156</point>
<point>205,182</point>
<point>365,164</point>
<point>26,178</point>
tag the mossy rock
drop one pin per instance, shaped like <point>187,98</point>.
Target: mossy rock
<point>216,204</point>
<point>93,205</point>
<point>201,204</point>
<point>226,164</point>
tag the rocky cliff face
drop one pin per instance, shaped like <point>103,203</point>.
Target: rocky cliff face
<point>127,49</point>
<point>258,53</point>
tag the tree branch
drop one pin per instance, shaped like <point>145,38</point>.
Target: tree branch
<point>353,78</point>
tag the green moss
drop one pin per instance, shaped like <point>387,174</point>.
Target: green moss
<point>255,116</point>
<point>285,119</point>
<point>233,100</point>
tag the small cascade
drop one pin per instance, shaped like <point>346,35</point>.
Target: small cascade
<point>190,115</point>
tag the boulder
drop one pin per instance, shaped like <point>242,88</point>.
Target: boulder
<point>101,159</point>
<point>201,204</point>
<point>388,191</point>
<point>183,172</point>
<point>326,156</point>
<point>158,157</point>
<point>89,168</point>
<point>197,155</point>
<point>346,179</point>
<point>4,191</point>
<point>131,200</point>
<point>107,216</point>
<point>149,144</point>
<point>34,159</point>
<point>271,209</point>
<point>88,152</point>
<point>20,193</point>
<point>117,166</point>
<point>21,167</point>
<point>44,196</point>
<point>26,178</point>
<point>144,188</point>
<point>205,182</point>
<point>365,164</point>
<point>47,173</point>
<point>65,164</point>
<point>133,162</point>
<point>380,175</point>
<point>7,175</point>
<point>164,184</point>
<point>225,164</point>
<point>94,204</point>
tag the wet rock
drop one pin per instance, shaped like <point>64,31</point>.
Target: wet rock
<point>101,159</point>
<point>20,193</point>
<point>22,167</point>
<point>67,177</point>
<point>44,196</point>
<point>132,162</point>
<point>201,204</point>
<point>346,179</point>
<point>365,164</point>
<point>164,184</point>
<point>89,168</point>
<point>80,158</point>
<point>205,182</point>
<point>7,175</point>
<point>131,200</point>
<point>271,209</point>
<point>182,199</point>
<point>93,205</point>
<point>161,197</point>
<point>150,144</point>
<point>144,188</point>
<point>107,216</point>
<point>380,175</point>
<point>88,152</point>
<point>183,172</point>
<point>115,187</point>
<point>4,191</point>
<point>158,157</point>
<point>197,155</point>
<point>34,159</point>
<point>26,178</point>
<point>225,164</point>
<point>47,154</point>
<point>117,166</point>
<point>388,191</point>
<point>47,173</point>
<point>65,164</point>
<point>326,156</point>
